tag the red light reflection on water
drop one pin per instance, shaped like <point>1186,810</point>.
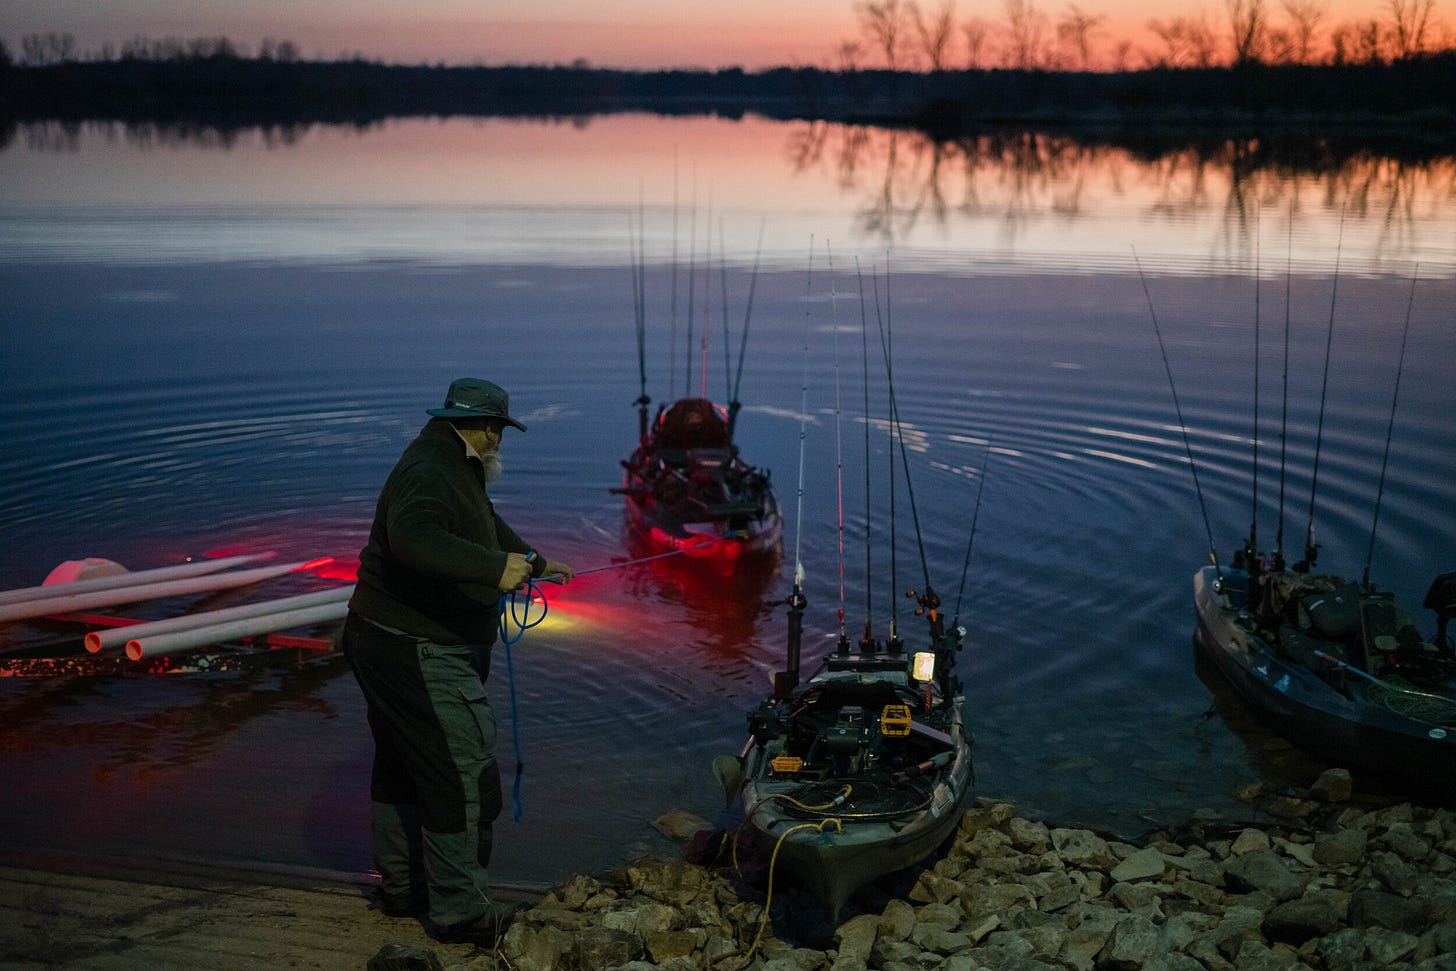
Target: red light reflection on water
<point>339,569</point>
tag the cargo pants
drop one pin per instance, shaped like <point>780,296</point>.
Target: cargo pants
<point>435,784</point>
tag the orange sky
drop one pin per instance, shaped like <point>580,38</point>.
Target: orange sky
<point>629,33</point>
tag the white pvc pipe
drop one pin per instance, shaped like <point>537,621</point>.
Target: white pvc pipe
<point>128,579</point>
<point>100,640</point>
<point>195,637</point>
<point>47,606</point>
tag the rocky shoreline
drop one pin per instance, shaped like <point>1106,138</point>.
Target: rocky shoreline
<point>1334,884</point>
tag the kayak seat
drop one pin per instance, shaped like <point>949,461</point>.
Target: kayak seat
<point>1379,628</point>
<point>692,423</point>
<point>847,692</point>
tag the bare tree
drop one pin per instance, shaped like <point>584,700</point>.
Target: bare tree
<point>1203,40</point>
<point>48,48</point>
<point>1121,55</point>
<point>884,22</point>
<point>1304,20</point>
<point>977,32</point>
<point>848,55</point>
<point>1367,42</point>
<point>1250,28</point>
<point>934,31</point>
<point>1025,27</point>
<point>1279,46</point>
<point>1075,30</point>
<point>1188,41</point>
<point>1175,42</point>
<point>1409,22</point>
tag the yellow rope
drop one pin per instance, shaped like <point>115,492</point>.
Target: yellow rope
<point>838,799</point>
<point>842,795</point>
<point>773,860</point>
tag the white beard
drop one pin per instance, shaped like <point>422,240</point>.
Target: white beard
<point>491,465</point>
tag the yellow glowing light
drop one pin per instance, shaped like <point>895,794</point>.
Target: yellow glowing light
<point>924,668</point>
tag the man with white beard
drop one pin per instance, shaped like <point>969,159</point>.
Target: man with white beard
<point>421,623</point>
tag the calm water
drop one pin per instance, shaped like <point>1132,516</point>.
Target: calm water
<point>215,346</point>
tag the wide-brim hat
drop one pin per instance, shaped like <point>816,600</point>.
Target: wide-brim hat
<point>476,398</point>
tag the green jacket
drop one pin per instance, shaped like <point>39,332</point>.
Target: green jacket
<point>437,548</point>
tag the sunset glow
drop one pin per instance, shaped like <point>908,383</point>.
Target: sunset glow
<point>752,34</point>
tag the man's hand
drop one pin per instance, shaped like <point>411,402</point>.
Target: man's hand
<point>517,570</point>
<point>558,572</point>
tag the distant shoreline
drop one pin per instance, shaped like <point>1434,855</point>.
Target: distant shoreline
<point>1411,100</point>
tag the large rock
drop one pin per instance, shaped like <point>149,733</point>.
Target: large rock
<point>1088,936</point>
<point>537,948</point>
<point>606,947</point>
<point>1402,838</point>
<point>1386,947</point>
<point>1333,785</point>
<point>1296,921</point>
<point>664,946</point>
<point>896,922</point>
<point>856,937</point>
<point>1250,840</point>
<point>1144,864</point>
<point>1262,870</point>
<point>983,901</point>
<point>642,917</point>
<point>1392,870</point>
<point>1343,847</point>
<point>1374,908</point>
<point>1083,848</point>
<point>1027,836</point>
<point>1134,942</point>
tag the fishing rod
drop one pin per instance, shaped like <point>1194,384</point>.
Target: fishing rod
<point>672,313</point>
<point>892,643</point>
<point>1390,429</point>
<point>797,601</point>
<point>1278,559</point>
<point>1251,547</point>
<point>723,285</point>
<point>639,305</point>
<point>838,442</point>
<point>692,281</point>
<point>707,301</point>
<point>1178,408</point>
<point>928,603</point>
<point>867,643</point>
<point>1311,548</point>
<point>733,403</point>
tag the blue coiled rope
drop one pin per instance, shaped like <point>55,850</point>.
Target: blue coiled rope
<point>507,607</point>
<point>509,612</point>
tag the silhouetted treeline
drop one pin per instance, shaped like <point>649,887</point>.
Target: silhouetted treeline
<point>228,92</point>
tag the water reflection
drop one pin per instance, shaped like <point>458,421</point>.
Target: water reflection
<point>413,190</point>
<point>717,613</point>
<point>148,726</point>
<point>904,178</point>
